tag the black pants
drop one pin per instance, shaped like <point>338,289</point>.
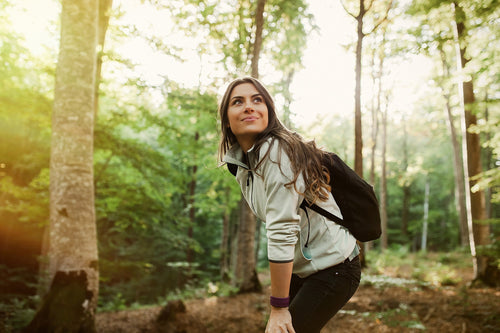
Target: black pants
<point>314,300</point>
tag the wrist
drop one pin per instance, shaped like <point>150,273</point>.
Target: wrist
<point>279,302</point>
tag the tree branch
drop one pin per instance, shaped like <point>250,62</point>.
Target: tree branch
<point>382,20</point>
<point>347,11</point>
<point>370,5</point>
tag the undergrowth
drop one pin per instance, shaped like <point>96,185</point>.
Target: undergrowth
<point>399,266</point>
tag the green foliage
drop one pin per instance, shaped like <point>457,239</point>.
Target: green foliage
<point>15,310</point>
<point>148,160</point>
<point>406,268</point>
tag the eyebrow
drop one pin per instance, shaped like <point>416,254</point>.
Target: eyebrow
<point>254,95</point>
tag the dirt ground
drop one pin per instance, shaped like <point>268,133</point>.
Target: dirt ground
<point>376,307</point>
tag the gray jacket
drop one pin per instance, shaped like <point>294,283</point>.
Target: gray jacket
<point>310,240</point>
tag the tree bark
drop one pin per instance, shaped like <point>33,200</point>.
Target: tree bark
<point>71,301</point>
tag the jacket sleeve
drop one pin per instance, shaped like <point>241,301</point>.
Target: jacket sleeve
<point>282,204</point>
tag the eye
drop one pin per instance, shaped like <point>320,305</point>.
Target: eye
<point>258,99</point>
<point>236,102</point>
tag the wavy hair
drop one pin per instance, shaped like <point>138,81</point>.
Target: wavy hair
<point>305,156</point>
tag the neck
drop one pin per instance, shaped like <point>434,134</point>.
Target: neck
<point>246,144</point>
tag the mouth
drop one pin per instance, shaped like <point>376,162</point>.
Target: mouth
<point>250,119</point>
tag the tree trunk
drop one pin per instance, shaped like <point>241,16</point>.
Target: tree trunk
<point>245,268</point>
<point>225,248</point>
<point>489,161</point>
<point>192,209</point>
<point>287,121</point>
<point>245,273</point>
<point>383,183</point>
<point>459,178</point>
<point>457,164</point>
<point>358,132</point>
<point>423,244</point>
<point>487,271</point>
<point>70,303</point>
<point>406,210</point>
<point>257,44</point>
<point>405,214</point>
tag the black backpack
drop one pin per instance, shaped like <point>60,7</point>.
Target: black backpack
<point>354,196</point>
<point>356,199</point>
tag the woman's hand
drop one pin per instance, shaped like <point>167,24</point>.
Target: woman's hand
<point>280,321</point>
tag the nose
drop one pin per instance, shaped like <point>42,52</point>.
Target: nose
<point>249,107</point>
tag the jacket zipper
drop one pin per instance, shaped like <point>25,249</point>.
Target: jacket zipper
<point>250,175</point>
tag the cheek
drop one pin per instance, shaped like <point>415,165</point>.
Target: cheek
<point>230,119</point>
<point>266,117</point>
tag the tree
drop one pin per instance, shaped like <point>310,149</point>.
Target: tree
<point>383,182</point>
<point>71,301</point>
<point>472,158</point>
<point>362,11</point>
<point>457,157</point>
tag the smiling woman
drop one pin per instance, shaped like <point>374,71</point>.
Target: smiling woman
<point>276,170</point>
<point>247,114</point>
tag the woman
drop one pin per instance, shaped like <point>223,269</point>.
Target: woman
<point>313,262</point>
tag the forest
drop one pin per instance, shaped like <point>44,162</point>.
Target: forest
<point>112,194</point>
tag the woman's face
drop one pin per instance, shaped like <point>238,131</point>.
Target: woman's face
<point>247,114</point>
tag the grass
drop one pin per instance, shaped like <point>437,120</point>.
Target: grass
<point>400,266</point>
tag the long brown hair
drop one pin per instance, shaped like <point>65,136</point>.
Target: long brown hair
<point>304,156</point>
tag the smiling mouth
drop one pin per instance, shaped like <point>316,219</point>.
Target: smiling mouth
<point>250,119</point>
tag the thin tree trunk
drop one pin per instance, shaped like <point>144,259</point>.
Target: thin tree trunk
<point>192,203</point>
<point>358,132</point>
<point>489,161</point>
<point>245,273</point>
<point>383,183</point>
<point>73,259</point>
<point>225,248</point>
<point>457,164</point>
<point>406,186</point>
<point>423,244</point>
<point>288,99</point>
<point>257,45</point>
<point>406,210</point>
<point>374,135</point>
<point>459,178</point>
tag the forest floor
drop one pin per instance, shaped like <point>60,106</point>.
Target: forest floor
<point>383,303</point>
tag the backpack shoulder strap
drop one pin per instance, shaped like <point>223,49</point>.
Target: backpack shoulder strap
<point>323,212</point>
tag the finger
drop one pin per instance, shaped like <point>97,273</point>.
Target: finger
<point>290,328</point>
